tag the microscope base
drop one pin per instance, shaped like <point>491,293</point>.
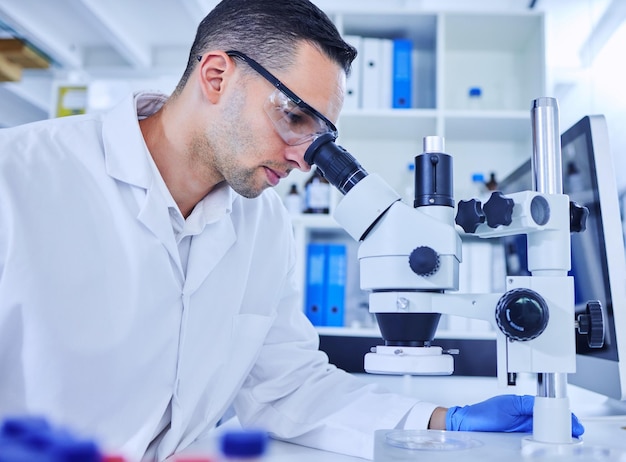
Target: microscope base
<point>401,360</point>
<point>533,448</point>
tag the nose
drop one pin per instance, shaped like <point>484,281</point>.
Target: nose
<point>296,154</point>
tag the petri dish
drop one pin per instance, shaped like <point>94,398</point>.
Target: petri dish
<point>430,440</point>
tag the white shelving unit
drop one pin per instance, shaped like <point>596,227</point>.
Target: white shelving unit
<point>502,53</point>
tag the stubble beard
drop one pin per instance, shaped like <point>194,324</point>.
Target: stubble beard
<point>224,144</point>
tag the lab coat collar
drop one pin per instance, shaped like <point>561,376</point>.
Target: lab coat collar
<point>124,164</point>
<point>123,140</point>
<point>213,207</point>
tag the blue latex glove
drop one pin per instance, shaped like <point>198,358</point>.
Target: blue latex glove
<point>504,413</point>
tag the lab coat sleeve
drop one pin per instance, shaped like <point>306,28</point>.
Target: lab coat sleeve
<point>295,393</point>
<point>419,416</point>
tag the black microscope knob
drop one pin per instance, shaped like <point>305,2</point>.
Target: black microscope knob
<point>424,261</point>
<point>522,314</point>
<point>577,217</point>
<point>591,324</point>
<point>498,210</point>
<point>469,215</point>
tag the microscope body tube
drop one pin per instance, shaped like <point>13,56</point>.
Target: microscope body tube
<point>371,197</point>
<point>551,413</point>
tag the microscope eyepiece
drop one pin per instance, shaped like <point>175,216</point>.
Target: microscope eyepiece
<point>337,165</point>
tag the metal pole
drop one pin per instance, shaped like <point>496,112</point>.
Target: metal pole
<point>548,179</point>
<point>546,160</point>
<point>547,176</point>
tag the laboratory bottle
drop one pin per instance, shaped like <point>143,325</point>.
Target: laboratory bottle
<point>293,200</point>
<point>317,193</point>
<point>475,97</point>
<point>478,189</point>
<point>492,184</point>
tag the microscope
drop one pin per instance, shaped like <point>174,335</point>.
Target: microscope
<point>409,263</point>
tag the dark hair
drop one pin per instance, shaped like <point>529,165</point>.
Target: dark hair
<point>268,31</point>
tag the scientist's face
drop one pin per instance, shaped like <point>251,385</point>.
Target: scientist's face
<point>262,136</point>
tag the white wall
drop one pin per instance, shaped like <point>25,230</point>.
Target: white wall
<point>601,89</point>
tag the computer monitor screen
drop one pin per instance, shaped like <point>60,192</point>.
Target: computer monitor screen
<point>598,261</point>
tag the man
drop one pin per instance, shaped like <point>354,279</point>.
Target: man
<point>146,268</point>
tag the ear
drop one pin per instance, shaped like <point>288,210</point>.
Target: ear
<point>215,69</point>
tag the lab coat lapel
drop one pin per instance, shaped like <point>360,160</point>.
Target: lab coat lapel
<point>154,215</point>
<point>126,158</point>
<point>207,250</point>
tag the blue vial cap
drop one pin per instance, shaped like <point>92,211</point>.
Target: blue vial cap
<point>32,438</point>
<point>15,427</point>
<point>244,443</point>
<point>475,92</point>
<point>476,177</point>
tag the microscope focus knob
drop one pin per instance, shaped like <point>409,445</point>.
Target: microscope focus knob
<point>578,215</point>
<point>522,314</point>
<point>424,261</point>
<point>469,215</point>
<point>499,210</point>
<point>591,324</point>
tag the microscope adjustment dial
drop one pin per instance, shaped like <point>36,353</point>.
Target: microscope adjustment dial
<point>591,324</point>
<point>498,210</point>
<point>469,215</point>
<point>578,215</point>
<point>522,314</point>
<point>424,261</point>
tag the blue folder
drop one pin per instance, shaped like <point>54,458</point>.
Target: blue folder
<point>335,285</point>
<point>316,283</point>
<point>402,78</point>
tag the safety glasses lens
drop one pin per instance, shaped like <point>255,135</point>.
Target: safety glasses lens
<point>294,124</point>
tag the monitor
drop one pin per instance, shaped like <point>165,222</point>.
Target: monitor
<point>598,260</point>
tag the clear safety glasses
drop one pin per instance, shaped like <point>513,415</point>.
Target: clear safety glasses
<point>294,120</point>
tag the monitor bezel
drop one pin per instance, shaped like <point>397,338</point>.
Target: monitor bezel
<point>601,375</point>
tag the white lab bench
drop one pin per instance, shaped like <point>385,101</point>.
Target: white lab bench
<point>604,438</point>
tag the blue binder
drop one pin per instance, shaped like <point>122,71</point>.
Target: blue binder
<point>402,80</point>
<point>335,285</point>
<point>316,283</point>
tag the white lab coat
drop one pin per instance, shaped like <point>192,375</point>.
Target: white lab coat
<point>100,329</point>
